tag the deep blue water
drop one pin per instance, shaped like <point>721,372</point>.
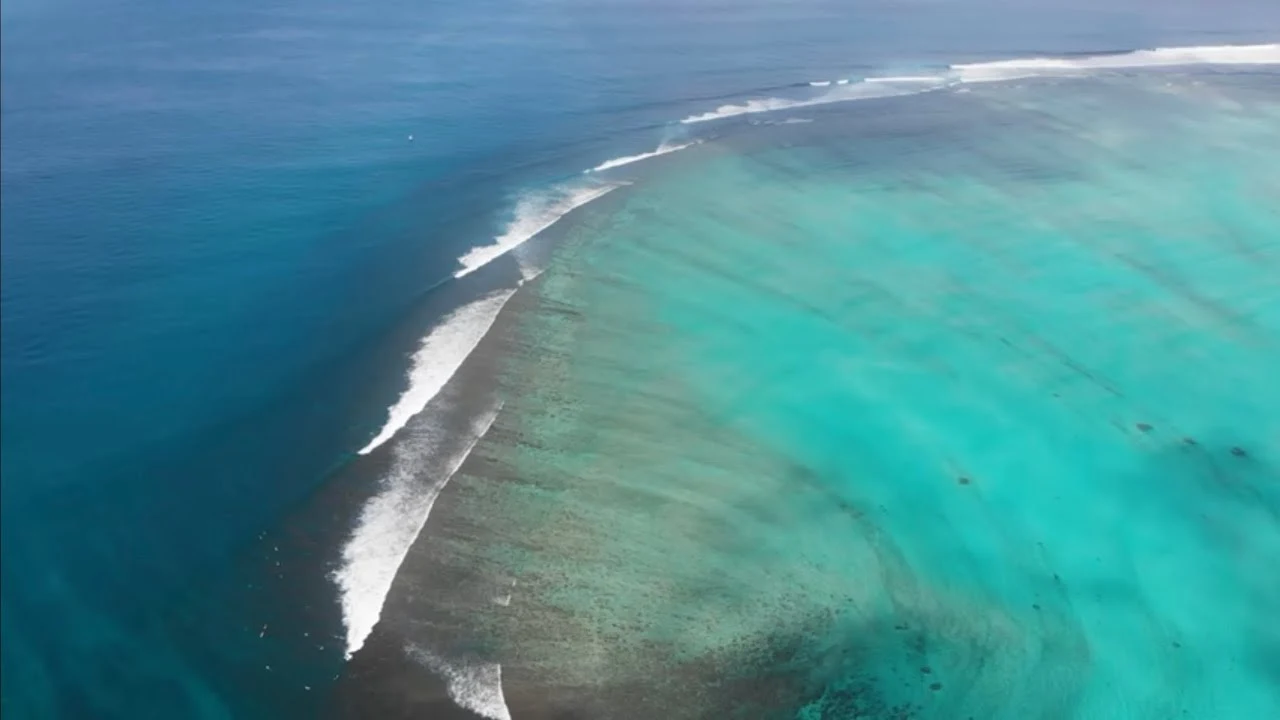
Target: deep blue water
<point>219,241</point>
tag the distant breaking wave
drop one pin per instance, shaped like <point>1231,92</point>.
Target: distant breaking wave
<point>839,93</point>
<point>441,354</point>
<point>1158,57</point>
<point>534,213</point>
<point>390,522</point>
<point>928,79</point>
<point>1002,70</point>
<point>663,149</point>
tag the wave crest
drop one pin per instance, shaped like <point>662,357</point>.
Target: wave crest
<point>1000,70</point>
<point>534,213</point>
<point>1156,57</point>
<point>839,93</point>
<point>438,357</point>
<point>390,522</point>
<point>663,149</point>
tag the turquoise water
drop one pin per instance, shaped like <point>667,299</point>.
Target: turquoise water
<point>234,239</point>
<point>944,406</point>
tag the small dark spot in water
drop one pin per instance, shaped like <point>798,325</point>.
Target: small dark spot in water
<point>1144,427</point>
<point>1036,607</point>
<point>926,669</point>
<point>1188,441</point>
<point>1177,644</point>
<point>964,481</point>
<point>1056,578</point>
<point>936,686</point>
<point>1239,452</point>
<point>1057,395</point>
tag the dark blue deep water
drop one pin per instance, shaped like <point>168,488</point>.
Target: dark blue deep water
<point>225,224</point>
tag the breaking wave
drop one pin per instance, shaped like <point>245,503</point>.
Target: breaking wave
<point>441,354</point>
<point>839,93</point>
<point>1157,57</point>
<point>534,213</point>
<point>390,522</point>
<point>1001,70</point>
<point>663,149</point>
<point>474,686</point>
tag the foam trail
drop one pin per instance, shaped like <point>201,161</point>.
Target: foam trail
<point>929,79</point>
<point>474,686</point>
<point>1157,57</point>
<point>534,213</point>
<point>1006,70</point>
<point>841,93</point>
<point>819,83</point>
<point>390,522</point>
<point>663,149</point>
<point>438,358</point>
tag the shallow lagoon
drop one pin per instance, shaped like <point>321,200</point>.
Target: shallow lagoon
<point>953,405</point>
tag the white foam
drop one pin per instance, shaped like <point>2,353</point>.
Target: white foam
<point>841,93</point>
<point>475,686</point>
<point>663,149</point>
<point>820,83</point>
<point>390,522</point>
<point>534,213</point>
<point>1157,57</point>
<point>438,358</point>
<point>1005,70</point>
<point>927,79</point>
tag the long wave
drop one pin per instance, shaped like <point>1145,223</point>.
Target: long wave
<point>1157,57</point>
<point>1002,70</point>
<point>390,522</point>
<point>833,94</point>
<point>439,356</point>
<point>534,213</point>
<point>662,149</point>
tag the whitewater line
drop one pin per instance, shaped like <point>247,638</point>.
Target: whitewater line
<point>439,356</point>
<point>1003,70</point>
<point>839,93</point>
<point>534,213</point>
<point>474,686</point>
<point>390,523</point>
<point>663,149</point>
<point>1015,69</point>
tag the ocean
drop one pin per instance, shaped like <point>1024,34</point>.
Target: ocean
<point>640,359</point>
